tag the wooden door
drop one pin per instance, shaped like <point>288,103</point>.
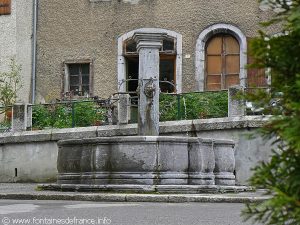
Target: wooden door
<point>222,62</point>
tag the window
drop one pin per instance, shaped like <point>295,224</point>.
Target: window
<point>222,62</point>
<point>167,65</point>
<point>257,77</point>
<point>170,61</point>
<point>78,79</point>
<point>5,7</point>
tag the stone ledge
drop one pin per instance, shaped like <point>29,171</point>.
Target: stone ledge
<point>28,191</point>
<point>26,136</point>
<point>213,124</point>
<point>105,197</point>
<point>158,189</point>
<point>96,1</point>
<point>166,128</point>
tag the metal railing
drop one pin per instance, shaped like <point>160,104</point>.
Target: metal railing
<point>193,105</point>
<point>96,112</point>
<point>72,113</point>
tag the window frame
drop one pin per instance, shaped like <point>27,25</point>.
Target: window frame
<point>200,52</point>
<point>163,55</point>
<point>66,76</point>
<point>122,56</point>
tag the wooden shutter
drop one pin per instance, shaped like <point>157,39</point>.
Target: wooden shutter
<point>231,61</point>
<point>255,77</point>
<point>214,64</point>
<point>5,7</point>
<point>222,62</point>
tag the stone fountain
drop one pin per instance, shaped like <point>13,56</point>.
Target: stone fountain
<point>147,162</point>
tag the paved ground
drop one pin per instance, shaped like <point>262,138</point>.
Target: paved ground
<point>28,192</point>
<point>73,212</point>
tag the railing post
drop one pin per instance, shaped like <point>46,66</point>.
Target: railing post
<point>236,106</point>
<point>124,109</point>
<point>73,114</point>
<point>19,117</point>
<point>112,112</point>
<point>178,107</point>
<point>29,117</point>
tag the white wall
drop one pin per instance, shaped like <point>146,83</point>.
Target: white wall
<point>15,39</point>
<point>34,153</point>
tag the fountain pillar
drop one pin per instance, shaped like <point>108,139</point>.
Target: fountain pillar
<point>148,45</point>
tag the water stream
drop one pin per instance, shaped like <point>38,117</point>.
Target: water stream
<point>185,113</point>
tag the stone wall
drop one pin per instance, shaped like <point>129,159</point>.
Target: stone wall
<point>89,29</point>
<point>31,156</point>
<point>15,39</point>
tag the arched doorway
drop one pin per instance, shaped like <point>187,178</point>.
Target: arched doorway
<point>222,58</point>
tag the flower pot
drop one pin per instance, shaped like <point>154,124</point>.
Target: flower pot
<point>8,115</point>
<point>98,123</point>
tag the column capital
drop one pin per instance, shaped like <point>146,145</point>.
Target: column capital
<point>149,40</point>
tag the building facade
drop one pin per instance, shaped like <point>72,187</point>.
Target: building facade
<point>86,47</point>
<point>16,31</point>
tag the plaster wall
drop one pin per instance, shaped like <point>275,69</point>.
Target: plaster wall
<point>248,151</point>
<point>34,154</point>
<point>15,39</point>
<point>28,162</point>
<point>76,29</point>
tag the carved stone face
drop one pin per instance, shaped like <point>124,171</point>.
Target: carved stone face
<point>149,89</point>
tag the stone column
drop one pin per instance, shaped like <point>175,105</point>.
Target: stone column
<point>19,118</point>
<point>148,45</point>
<point>124,109</point>
<point>236,106</point>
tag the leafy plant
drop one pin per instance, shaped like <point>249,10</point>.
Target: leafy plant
<point>10,84</point>
<point>280,176</point>
<point>79,114</point>
<point>194,106</point>
<point>5,126</point>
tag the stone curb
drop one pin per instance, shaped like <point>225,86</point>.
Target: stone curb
<point>168,198</point>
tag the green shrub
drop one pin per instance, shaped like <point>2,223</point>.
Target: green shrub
<point>41,117</point>
<point>5,126</point>
<point>281,175</point>
<point>194,106</point>
<point>88,113</point>
<point>82,114</point>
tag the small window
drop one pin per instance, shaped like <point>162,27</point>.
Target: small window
<point>168,46</point>
<point>130,47</point>
<point>78,79</point>
<point>5,7</point>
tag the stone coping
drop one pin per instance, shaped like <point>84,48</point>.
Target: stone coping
<point>143,139</point>
<point>166,128</point>
<point>128,139</point>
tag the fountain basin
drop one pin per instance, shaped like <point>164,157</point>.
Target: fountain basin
<point>144,160</point>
